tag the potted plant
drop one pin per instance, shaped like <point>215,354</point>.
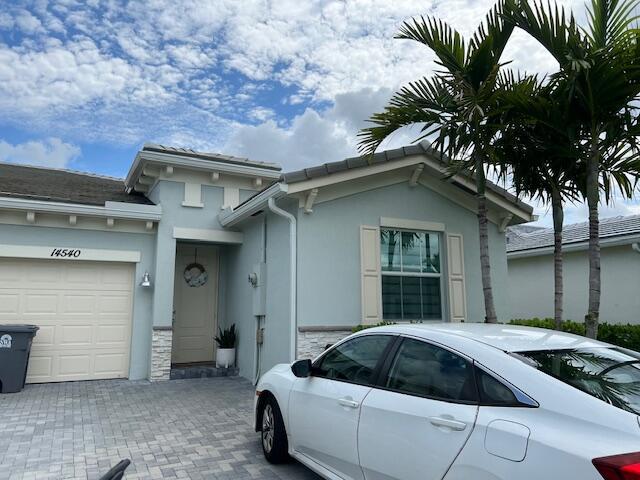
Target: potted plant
<point>226,352</point>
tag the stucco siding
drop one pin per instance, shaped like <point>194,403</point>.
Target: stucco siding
<point>73,238</point>
<point>329,251</point>
<point>531,287</point>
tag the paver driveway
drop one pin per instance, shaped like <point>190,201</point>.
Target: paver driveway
<point>198,429</point>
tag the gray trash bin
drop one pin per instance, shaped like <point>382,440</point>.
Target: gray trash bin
<point>15,346</point>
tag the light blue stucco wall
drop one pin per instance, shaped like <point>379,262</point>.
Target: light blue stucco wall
<point>78,238</point>
<point>531,286</point>
<point>329,251</point>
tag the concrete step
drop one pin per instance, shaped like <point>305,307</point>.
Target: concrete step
<point>201,370</point>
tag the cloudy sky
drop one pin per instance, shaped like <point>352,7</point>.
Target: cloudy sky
<point>83,84</point>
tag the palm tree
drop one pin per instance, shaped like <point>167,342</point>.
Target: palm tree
<point>538,148</point>
<point>600,68</point>
<point>457,105</point>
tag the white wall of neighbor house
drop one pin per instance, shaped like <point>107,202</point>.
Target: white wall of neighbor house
<point>531,285</point>
<point>329,265</point>
<point>107,241</point>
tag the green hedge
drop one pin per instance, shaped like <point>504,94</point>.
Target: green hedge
<point>627,336</point>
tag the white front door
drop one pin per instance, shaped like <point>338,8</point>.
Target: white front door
<point>195,304</point>
<point>414,426</point>
<point>324,409</point>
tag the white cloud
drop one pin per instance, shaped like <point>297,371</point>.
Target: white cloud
<point>51,152</point>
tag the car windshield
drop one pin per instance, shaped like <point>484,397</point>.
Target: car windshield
<point>610,374</point>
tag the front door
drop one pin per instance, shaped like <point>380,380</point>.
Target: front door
<point>324,409</point>
<point>195,304</point>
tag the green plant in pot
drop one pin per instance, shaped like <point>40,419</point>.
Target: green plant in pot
<point>226,352</point>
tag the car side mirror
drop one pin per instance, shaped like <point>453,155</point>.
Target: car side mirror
<point>301,368</point>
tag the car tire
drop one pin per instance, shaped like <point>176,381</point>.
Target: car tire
<point>273,434</point>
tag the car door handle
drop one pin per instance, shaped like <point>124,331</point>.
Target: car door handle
<point>448,423</point>
<point>349,403</point>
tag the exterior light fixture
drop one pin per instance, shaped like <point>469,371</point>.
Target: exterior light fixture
<point>146,280</point>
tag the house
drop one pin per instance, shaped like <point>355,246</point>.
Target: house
<point>531,279</point>
<point>127,278</point>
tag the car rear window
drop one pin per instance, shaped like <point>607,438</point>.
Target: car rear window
<point>610,374</point>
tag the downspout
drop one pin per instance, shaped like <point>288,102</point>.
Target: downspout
<point>636,247</point>
<point>293,244</point>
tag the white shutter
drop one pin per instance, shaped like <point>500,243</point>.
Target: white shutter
<point>370,267</point>
<point>457,290</point>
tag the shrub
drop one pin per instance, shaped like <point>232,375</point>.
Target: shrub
<point>357,328</point>
<point>626,336</point>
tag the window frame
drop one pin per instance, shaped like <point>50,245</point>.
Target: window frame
<point>442,275</point>
<point>375,376</point>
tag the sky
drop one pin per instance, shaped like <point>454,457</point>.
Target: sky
<point>84,84</point>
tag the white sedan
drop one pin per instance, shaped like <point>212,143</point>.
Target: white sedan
<point>457,402</point>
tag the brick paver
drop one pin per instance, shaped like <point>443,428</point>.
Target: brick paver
<point>180,429</point>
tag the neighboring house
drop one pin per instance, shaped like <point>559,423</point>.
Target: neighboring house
<point>531,280</point>
<point>127,278</point>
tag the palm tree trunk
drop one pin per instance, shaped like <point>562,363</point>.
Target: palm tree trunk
<point>483,228</point>
<point>593,196</point>
<point>558,221</point>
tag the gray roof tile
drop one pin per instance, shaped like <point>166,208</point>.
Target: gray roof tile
<point>519,240</point>
<point>56,185</point>
<point>217,157</point>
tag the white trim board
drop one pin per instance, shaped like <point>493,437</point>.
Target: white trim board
<point>206,235</point>
<point>407,224</point>
<point>72,253</point>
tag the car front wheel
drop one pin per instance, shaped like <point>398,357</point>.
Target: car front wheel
<point>274,436</point>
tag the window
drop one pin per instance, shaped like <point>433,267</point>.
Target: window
<point>428,371</point>
<point>610,374</point>
<point>411,275</point>
<point>353,361</point>
<point>493,392</point>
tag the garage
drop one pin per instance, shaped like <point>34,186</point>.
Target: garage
<point>83,309</point>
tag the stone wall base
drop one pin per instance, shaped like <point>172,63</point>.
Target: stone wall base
<point>161,354</point>
<point>312,342</point>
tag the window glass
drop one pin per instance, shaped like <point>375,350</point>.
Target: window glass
<point>411,275</point>
<point>493,392</point>
<point>390,250</point>
<point>610,374</point>
<point>426,370</point>
<point>354,360</point>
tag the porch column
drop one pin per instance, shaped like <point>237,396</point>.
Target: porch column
<point>162,334</point>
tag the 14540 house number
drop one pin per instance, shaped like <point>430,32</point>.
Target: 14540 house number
<point>66,252</point>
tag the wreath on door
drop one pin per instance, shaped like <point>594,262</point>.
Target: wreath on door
<point>195,274</point>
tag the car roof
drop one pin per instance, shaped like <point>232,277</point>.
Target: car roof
<point>508,338</point>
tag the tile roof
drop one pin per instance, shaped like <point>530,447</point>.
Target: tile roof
<point>214,157</point>
<point>57,185</point>
<point>421,148</point>
<point>519,240</point>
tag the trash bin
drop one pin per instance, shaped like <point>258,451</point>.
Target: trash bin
<point>15,346</point>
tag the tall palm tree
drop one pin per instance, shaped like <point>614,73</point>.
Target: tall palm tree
<point>538,149</point>
<point>456,105</point>
<point>600,66</point>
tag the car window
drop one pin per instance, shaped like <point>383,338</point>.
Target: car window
<point>354,360</point>
<point>493,392</point>
<point>610,374</point>
<point>426,370</point>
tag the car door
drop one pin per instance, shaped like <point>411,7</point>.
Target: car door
<point>324,408</point>
<point>414,424</point>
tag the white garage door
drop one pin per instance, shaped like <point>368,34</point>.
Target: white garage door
<point>83,310</point>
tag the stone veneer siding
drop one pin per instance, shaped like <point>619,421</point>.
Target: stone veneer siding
<point>312,341</point>
<point>161,354</point>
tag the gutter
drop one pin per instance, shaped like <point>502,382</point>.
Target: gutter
<point>231,216</point>
<point>293,244</point>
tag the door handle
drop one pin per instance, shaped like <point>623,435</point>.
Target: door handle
<point>349,403</point>
<point>448,423</point>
